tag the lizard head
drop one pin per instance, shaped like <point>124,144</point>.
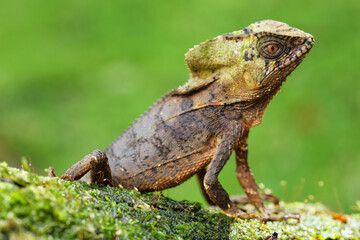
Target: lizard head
<point>257,59</point>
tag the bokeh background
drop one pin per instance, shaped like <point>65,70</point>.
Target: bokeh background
<point>75,74</point>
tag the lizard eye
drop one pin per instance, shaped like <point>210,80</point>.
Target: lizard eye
<point>271,48</point>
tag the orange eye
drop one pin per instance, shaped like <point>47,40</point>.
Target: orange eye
<point>272,48</point>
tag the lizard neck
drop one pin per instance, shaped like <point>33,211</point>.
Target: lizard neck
<point>256,112</point>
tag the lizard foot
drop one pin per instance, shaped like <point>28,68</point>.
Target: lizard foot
<point>285,217</point>
<point>243,199</point>
<point>271,217</point>
<point>236,212</point>
<point>96,163</point>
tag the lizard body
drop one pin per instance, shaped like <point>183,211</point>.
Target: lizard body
<point>195,128</point>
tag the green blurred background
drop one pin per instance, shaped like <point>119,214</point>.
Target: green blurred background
<point>75,74</point>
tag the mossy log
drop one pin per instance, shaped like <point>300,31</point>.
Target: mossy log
<point>36,207</point>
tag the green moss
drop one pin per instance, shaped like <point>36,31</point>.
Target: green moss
<point>35,207</point>
<point>316,223</point>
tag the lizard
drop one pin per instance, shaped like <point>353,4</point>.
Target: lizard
<point>194,129</point>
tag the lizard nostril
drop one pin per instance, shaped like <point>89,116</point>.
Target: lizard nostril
<point>299,41</point>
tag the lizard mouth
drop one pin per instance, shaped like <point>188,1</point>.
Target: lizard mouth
<point>299,52</point>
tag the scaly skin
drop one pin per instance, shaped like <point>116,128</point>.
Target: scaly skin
<point>233,78</point>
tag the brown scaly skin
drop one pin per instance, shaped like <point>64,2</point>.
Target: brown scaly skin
<point>198,125</point>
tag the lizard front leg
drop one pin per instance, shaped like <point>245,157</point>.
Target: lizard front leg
<point>215,192</point>
<point>238,199</point>
<point>250,187</point>
<point>96,163</point>
<point>200,177</point>
<point>245,176</point>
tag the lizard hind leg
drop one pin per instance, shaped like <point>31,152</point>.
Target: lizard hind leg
<point>95,162</point>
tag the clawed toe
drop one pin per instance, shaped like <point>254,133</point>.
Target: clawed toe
<point>285,217</point>
<point>236,212</point>
<point>243,199</point>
